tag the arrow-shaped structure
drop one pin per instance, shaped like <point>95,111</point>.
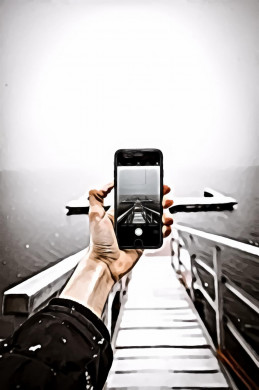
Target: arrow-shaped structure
<point>211,201</point>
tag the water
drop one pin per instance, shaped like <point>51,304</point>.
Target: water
<point>240,183</point>
<point>35,230</point>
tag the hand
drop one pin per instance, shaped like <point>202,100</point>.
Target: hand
<point>104,264</point>
<point>103,243</point>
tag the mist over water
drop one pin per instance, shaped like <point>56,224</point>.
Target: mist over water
<point>240,183</point>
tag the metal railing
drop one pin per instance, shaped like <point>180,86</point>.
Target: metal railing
<point>186,239</point>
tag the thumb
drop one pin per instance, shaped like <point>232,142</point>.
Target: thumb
<point>96,198</point>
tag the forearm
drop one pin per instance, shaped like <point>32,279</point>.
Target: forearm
<point>90,284</point>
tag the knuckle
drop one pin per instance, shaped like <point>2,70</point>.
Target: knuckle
<point>92,192</point>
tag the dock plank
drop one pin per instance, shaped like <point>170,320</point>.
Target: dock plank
<point>165,316</point>
<point>190,353</point>
<point>159,325</point>
<point>155,303</point>
<point>165,293</point>
<point>164,364</point>
<point>160,337</point>
<point>153,318</point>
<point>171,380</point>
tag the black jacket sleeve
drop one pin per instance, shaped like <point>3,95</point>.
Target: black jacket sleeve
<point>63,346</point>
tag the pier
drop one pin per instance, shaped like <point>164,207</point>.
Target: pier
<point>139,213</point>
<point>159,340</point>
<point>187,318</point>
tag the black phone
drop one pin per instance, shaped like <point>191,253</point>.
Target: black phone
<point>138,210</point>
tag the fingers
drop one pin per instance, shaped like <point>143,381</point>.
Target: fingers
<point>166,189</point>
<point>167,220</point>
<point>166,231</point>
<point>167,202</point>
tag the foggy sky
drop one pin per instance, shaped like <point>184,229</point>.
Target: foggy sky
<point>80,79</point>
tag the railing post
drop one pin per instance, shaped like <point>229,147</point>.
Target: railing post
<point>178,257</point>
<point>217,264</point>
<point>175,254</point>
<point>193,278</point>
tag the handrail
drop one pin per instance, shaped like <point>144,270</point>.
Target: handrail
<point>25,297</point>
<point>30,295</point>
<point>243,296</point>
<point>206,267</point>
<point>152,211</point>
<point>229,242</point>
<point>222,283</point>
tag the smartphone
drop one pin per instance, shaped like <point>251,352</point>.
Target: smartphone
<point>138,210</point>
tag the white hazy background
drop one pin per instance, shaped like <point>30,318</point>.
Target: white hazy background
<point>80,79</point>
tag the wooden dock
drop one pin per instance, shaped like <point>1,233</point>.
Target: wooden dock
<point>159,342</point>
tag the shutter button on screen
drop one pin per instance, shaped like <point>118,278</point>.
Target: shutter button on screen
<point>138,231</point>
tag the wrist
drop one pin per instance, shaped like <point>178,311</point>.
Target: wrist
<point>98,270</point>
<point>90,284</point>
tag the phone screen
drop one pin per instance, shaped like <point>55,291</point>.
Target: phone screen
<point>138,198</point>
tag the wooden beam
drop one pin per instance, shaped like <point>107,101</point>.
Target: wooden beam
<point>25,297</point>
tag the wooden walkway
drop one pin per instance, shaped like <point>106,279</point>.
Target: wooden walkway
<point>160,343</point>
